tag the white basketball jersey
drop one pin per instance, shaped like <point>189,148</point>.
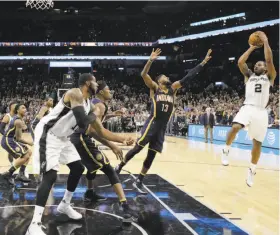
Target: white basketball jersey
<point>61,121</point>
<point>10,119</point>
<point>257,90</point>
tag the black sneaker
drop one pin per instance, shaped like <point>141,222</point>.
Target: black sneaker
<point>129,215</point>
<point>21,177</point>
<point>139,186</point>
<point>91,196</point>
<point>7,176</point>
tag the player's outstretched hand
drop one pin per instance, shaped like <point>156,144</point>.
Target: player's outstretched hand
<point>208,56</point>
<point>129,141</point>
<point>155,54</point>
<point>262,36</point>
<point>119,113</point>
<point>118,152</point>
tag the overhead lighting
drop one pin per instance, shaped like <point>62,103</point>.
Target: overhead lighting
<point>19,68</point>
<point>190,60</point>
<point>121,69</point>
<point>231,58</point>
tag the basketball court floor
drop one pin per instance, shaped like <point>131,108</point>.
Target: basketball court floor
<point>190,192</point>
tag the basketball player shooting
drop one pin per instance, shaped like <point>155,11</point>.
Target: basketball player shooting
<point>253,114</point>
<point>5,124</point>
<point>52,147</point>
<point>162,93</point>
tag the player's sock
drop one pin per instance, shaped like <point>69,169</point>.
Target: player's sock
<point>253,167</point>
<point>22,169</point>
<point>12,170</point>
<point>68,196</point>
<point>38,213</point>
<point>123,201</point>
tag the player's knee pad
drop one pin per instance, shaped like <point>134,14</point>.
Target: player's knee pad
<point>76,168</point>
<point>49,178</point>
<point>149,159</point>
<point>90,176</point>
<point>111,174</point>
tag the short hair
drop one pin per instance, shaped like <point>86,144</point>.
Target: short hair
<point>84,78</point>
<point>12,103</point>
<point>101,85</point>
<point>17,107</point>
<point>47,98</point>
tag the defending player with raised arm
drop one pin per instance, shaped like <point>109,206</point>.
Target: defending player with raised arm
<point>14,143</point>
<point>253,114</point>
<point>162,93</point>
<point>5,124</point>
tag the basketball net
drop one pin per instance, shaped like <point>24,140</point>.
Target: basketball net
<point>39,4</point>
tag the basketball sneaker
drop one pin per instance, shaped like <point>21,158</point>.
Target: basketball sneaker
<point>250,177</point>
<point>129,215</point>
<point>7,176</point>
<point>225,158</point>
<point>68,228</point>
<point>66,208</point>
<point>21,177</point>
<point>138,185</point>
<point>91,196</point>
<point>35,228</point>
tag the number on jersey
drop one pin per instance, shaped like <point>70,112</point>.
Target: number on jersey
<point>164,107</point>
<point>258,88</point>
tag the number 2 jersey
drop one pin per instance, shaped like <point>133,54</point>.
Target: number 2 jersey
<point>162,105</point>
<point>257,90</point>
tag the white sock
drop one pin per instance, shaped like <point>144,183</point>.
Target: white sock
<point>226,148</point>
<point>253,167</point>
<point>38,213</point>
<point>68,196</point>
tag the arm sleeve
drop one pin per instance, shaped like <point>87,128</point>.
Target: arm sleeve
<point>83,120</point>
<point>191,74</point>
<point>2,128</point>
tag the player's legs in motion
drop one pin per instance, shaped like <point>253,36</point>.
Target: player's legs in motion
<point>10,158</point>
<point>236,127</point>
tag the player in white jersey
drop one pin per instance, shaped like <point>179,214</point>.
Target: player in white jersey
<point>52,146</point>
<point>5,124</point>
<point>253,114</point>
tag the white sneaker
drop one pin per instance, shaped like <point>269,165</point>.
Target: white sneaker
<point>35,229</point>
<point>66,208</point>
<point>225,158</point>
<point>250,177</point>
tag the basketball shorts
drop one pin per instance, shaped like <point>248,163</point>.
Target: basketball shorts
<point>50,151</point>
<point>14,148</point>
<point>254,120</point>
<point>152,133</point>
<point>92,158</point>
<point>32,132</point>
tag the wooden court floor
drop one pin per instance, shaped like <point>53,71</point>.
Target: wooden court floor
<point>195,167</point>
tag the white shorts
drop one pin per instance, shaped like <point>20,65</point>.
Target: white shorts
<point>50,151</point>
<point>255,120</point>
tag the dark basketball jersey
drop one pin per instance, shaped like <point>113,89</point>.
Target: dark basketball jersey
<point>11,130</point>
<point>162,105</point>
<point>36,120</point>
<point>96,101</point>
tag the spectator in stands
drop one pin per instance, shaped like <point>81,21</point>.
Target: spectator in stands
<point>208,121</point>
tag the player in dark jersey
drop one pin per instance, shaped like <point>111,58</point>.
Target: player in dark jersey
<point>44,110</point>
<point>14,144</point>
<point>5,123</point>
<point>162,93</point>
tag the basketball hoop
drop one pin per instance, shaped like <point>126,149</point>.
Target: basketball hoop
<point>39,4</point>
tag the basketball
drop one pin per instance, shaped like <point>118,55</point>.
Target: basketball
<point>255,40</point>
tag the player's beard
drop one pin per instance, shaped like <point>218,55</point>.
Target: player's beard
<point>92,92</point>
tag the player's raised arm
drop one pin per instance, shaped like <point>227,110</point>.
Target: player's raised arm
<point>42,112</point>
<point>75,97</point>
<point>144,74</point>
<point>18,133</point>
<point>268,57</point>
<point>243,67</point>
<point>192,73</point>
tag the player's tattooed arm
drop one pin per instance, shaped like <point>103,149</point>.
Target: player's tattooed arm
<point>192,73</point>
<point>75,97</point>
<point>144,74</point>
<point>268,57</point>
<point>41,113</point>
<point>18,133</point>
<point>243,67</point>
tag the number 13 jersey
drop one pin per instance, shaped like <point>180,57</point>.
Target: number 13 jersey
<point>257,90</point>
<point>162,105</point>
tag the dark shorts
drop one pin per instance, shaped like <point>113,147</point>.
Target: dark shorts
<point>153,132</point>
<point>14,148</point>
<point>92,158</point>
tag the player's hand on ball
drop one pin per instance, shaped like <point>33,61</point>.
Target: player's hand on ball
<point>208,56</point>
<point>262,36</point>
<point>118,152</point>
<point>129,141</point>
<point>254,47</point>
<point>155,54</point>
